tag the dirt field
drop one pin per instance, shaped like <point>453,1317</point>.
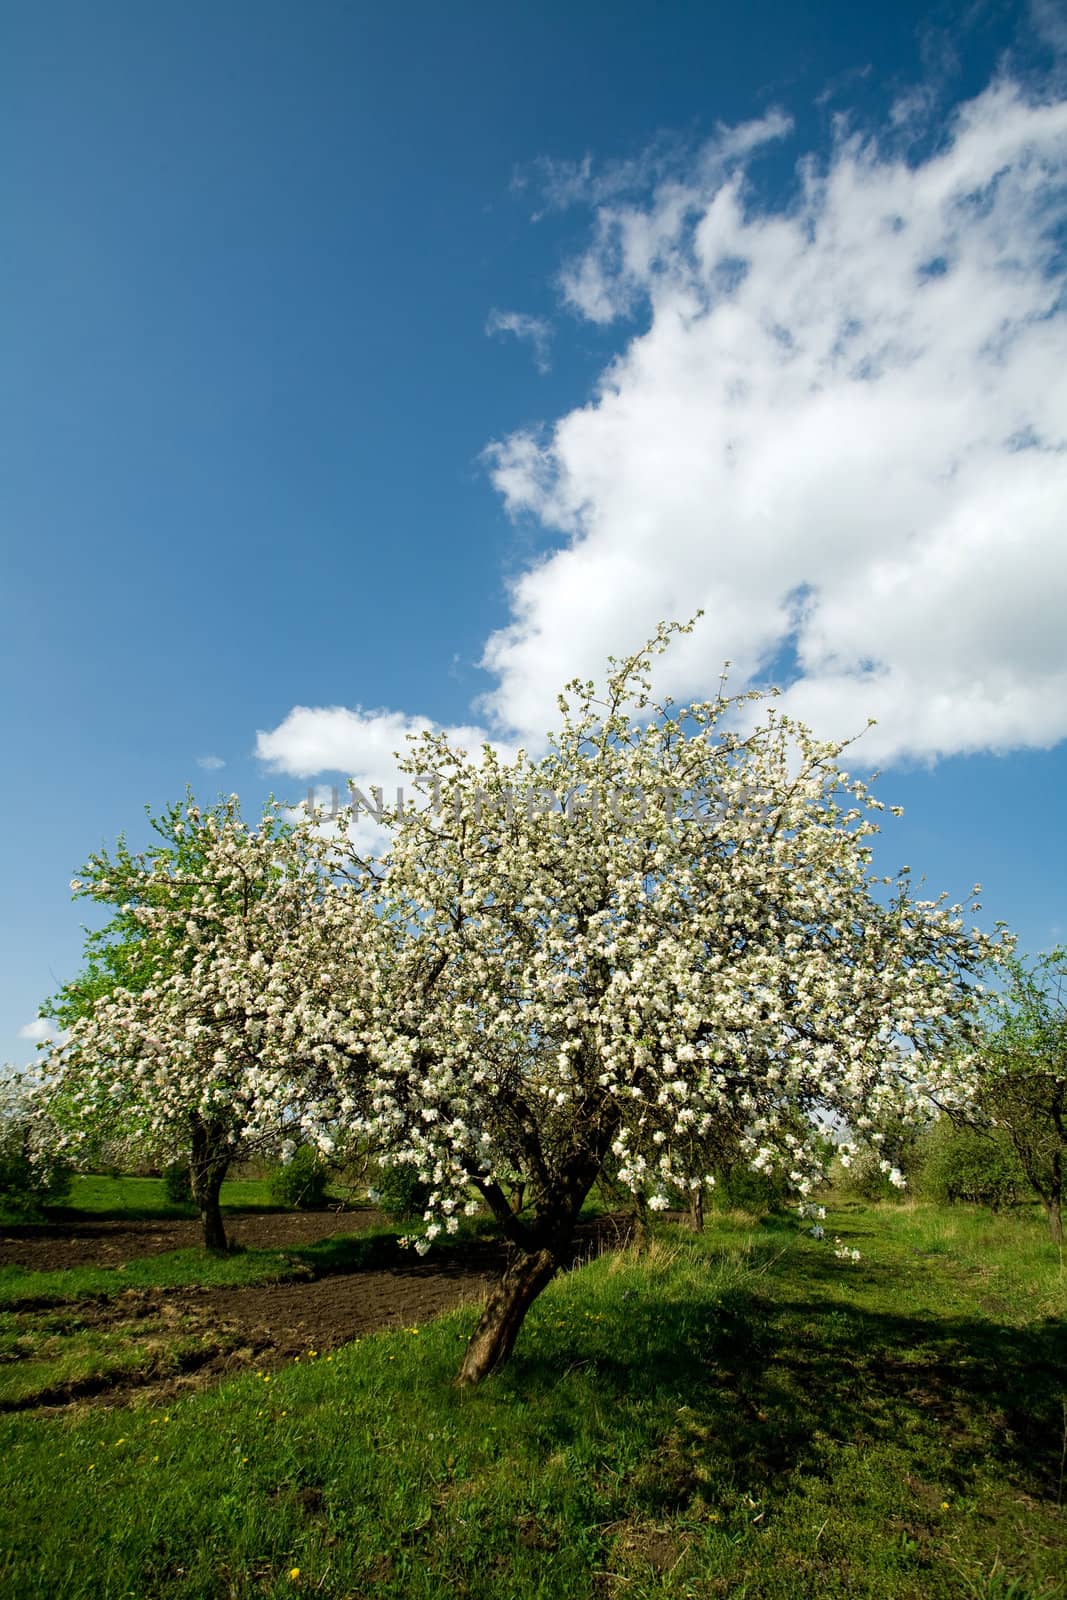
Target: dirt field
<point>106,1243</point>
<point>264,1326</point>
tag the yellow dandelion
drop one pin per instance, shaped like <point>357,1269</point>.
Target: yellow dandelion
<point>294,1573</point>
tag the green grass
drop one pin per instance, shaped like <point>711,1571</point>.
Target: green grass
<point>133,1199</point>
<point>144,1199</point>
<point>47,1357</point>
<point>736,1415</point>
<point>170,1269</point>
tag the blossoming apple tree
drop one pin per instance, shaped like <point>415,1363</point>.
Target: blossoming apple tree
<point>692,941</point>
<point>186,1033</point>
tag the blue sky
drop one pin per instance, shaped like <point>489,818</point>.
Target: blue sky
<point>398,362</point>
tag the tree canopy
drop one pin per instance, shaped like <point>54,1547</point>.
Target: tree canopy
<point>181,1036</point>
<point>1020,1073</point>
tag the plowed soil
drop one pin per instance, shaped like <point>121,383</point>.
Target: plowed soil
<point>224,1330</point>
<point>106,1243</point>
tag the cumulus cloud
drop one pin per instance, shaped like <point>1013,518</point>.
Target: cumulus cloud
<point>840,428</point>
<point>837,422</point>
<point>351,741</point>
<point>521,326</point>
<point>362,747</point>
<point>210,763</point>
<point>38,1030</point>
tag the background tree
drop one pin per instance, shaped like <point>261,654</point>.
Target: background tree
<point>1022,1074</point>
<point>32,1174</point>
<point>127,954</point>
<point>186,1030</point>
<point>665,975</point>
<point>978,1165</point>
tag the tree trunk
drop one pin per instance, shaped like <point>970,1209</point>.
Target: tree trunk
<point>207,1168</point>
<point>1055,1219</point>
<point>211,1214</point>
<point>639,1231</point>
<point>696,1210</point>
<point>494,1338</point>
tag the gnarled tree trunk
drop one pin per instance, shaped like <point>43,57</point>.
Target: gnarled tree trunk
<point>696,1210</point>
<point>540,1247</point>
<point>493,1339</point>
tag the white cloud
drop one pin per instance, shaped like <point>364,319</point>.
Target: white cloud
<point>38,1030</point>
<point>210,763</point>
<point>560,185</point>
<point>840,427</point>
<point>534,329</point>
<point>361,746</point>
<point>861,401</point>
<point>317,739</point>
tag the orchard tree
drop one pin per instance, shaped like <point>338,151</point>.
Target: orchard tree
<point>32,1175</point>
<point>126,952</point>
<point>185,1035</point>
<point>664,930</point>
<point>1021,1078</point>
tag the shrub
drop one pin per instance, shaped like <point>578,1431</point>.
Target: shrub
<point>863,1178</point>
<point>961,1164</point>
<point>301,1181</point>
<point>178,1184</point>
<point>401,1193</point>
<point>738,1188</point>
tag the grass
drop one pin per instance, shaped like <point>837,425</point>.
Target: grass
<point>736,1415</point>
<point>132,1199</point>
<point>170,1269</point>
<point>48,1358</point>
<point>144,1199</point>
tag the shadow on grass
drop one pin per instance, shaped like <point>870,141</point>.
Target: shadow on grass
<point>757,1389</point>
